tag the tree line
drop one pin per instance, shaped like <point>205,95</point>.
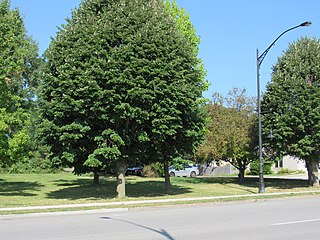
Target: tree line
<point>121,83</point>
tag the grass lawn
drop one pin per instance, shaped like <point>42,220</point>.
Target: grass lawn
<point>18,190</point>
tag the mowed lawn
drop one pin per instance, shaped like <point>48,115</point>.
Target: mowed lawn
<point>18,190</point>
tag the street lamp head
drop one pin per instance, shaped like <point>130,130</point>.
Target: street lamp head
<point>305,24</point>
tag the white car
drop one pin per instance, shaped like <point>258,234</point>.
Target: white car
<point>186,171</point>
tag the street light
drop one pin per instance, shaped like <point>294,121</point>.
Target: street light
<point>259,61</point>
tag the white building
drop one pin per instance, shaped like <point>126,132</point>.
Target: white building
<point>291,163</point>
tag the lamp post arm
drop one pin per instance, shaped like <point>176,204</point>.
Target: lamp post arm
<point>262,56</point>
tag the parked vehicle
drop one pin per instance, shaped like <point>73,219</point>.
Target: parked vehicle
<point>185,171</point>
<point>138,171</point>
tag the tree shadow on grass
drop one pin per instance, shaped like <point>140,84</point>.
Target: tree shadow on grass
<point>76,182</point>
<point>18,188</point>
<point>227,182</point>
<point>137,188</point>
<point>153,189</point>
<point>280,183</point>
<point>251,183</point>
<point>85,189</point>
<point>275,183</point>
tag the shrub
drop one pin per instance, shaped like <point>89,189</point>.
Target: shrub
<point>153,170</point>
<point>36,164</point>
<point>255,167</point>
<point>19,167</point>
<point>284,171</point>
<point>148,171</point>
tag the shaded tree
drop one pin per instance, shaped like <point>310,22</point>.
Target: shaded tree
<point>290,106</point>
<point>119,83</point>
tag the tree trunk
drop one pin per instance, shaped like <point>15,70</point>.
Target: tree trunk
<point>121,183</point>
<point>309,172</point>
<point>96,177</point>
<point>167,177</point>
<point>241,167</point>
<point>313,172</point>
<point>241,175</point>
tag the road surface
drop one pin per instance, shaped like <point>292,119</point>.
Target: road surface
<point>291,218</point>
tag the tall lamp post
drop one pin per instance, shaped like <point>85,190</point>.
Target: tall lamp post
<point>259,61</point>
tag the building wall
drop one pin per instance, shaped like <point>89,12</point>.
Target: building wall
<point>291,163</point>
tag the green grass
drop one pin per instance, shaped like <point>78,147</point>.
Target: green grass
<point>17,190</point>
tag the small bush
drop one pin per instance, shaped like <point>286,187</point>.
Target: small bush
<point>148,171</point>
<point>288,171</point>
<point>255,168</point>
<point>153,170</point>
<point>284,171</point>
<point>19,167</point>
<point>35,164</point>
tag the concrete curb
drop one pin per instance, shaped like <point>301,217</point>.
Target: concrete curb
<point>128,203</point>
<point>62,213</point>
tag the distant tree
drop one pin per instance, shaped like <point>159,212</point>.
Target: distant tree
<point>291,106</point>
<point>18,63</point>
<point>119,80</point>
<point>231,131</point>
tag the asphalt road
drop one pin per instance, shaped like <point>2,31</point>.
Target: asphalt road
<point>292,218</point>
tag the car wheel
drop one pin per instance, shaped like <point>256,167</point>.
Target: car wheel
<point>171,174</point>
<point>193,174</point>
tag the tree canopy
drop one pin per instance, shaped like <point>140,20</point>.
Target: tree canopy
<point>231,130</point>
<point>120,79</point>
<point>290,106</point>
<point>174,147</point>
<point>18,62</point>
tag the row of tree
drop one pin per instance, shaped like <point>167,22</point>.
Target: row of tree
<point>122,83</point>
<point>290,115</point>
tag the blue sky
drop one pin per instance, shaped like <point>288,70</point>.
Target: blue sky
<point>230,31</point>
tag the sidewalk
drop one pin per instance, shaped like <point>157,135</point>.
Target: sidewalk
<point>156,201</point>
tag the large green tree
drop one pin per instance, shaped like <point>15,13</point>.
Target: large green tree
<point>186,127</point>
<point>291,105</point>
<point>231,130</point>
<point>119,80</point>
<point>18,63</point>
